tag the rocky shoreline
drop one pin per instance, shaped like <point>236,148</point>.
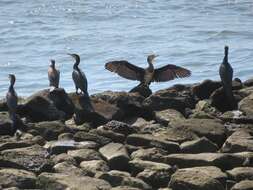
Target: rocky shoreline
<point>181,138</point>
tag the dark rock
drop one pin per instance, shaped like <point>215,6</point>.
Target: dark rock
<point>205,89</point>
<point>120,127</point>
<point>66,136</point>
<point>142,90</point>
<point>243,185</point>
<point>204,178</point>
<point>84,136</point>
<point>94,166</point>
<point>5,124</point>
<point>241,173</point>
<point>61,181</point>
<point>85,155</point>
<point>198,146</point>
<point>116,156</point>
<point>17,178</point>
<point>115,137</point>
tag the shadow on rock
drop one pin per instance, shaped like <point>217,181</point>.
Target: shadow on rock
<point>142,90</point>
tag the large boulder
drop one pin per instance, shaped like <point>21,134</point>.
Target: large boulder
<point>202,178</point>
<point>47,105</point>
<point>241,173</point>
<point>116,155</point>
<point>61,181</point>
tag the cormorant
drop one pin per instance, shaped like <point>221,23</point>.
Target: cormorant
<point>226,75</point>
<point>53,75</point>
<point>79,77</point>
<point>11,96</point>
<point>146,76</point>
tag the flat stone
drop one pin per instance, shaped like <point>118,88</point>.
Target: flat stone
<point>147,140</point>
<point>67,181</point>
<point>198,146</point>
<point>86,136</point>
<point>240,141</point>
<point>150,154</point>
<point>116,155</point>
<point>241,173</point>
<point>94,166</point>
<point>85,155</point>
<point>243,185</point>
<point>166,116</point>
<point>115,137</point>
<point>10,177</point>
<point>63,158</point>
<point>196,178</point>
<point>68,168</point>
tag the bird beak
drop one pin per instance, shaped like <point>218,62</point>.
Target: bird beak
<point>156,55</point>
<point>70,54</point>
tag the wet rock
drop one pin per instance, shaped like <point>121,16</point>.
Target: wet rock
<point>94,166</point>
<point>116,156</point>
<point>241,140</point>
<point>147,140</point>
<point>62,146</point>
<point>205,89</point>
<point>223,161</point>
<point>84,136</point>
<point>70,169</point>
<point>150,154</point>
<point>85,155</point>
<point>30,158</point>
<point>117,178</point>
<point>142,90</point>
<point>66,181</point>
<point>166,116</point>
<point>209,128</point>
<point>178,98</point>
<point>241,173</point>
<point>17,178</point>
<point>204,178</point>
<point>243,185</point>
<point>246,105</point>
<point>198,146</point>
<point>50,130</point>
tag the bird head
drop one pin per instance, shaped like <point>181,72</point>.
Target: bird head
<point>226,50</point>
<point>76,57</point>
<point>52,63</point>
<point>151,58</point>
<point>12,78</point>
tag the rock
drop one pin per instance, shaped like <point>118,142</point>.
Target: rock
<point>47,106</point>
<point>124,188</point>
<point>241,140</point>
<point>63,158</point>
<point>150,154</point>
<point>115,137</point>
<point>205,89</point>
<point>209,128</point>
<point>236,117</point>
<point>198,146</point>
<point>243,185</point>
<point>248,82</point>
<point>116,156</point>
<point>30,158</point>
<point>94,110</point>
<point>85,155</point>
<point>62,146</point>
<point>241,173</point>
<point>94,166</point>
<point>65,181</point>
<point>148,141</point>
<point>204,178</point>
<point>142,90</point>
<point>119,127</point>
<point>50,130</point>
<point>84,136</point>
<point>223,161</point>
<point>164,117</point>
<point>177,98</point>
<point>70,169</point>
<point>117,178</point>
<point>17,178</point>
<point>138,122</point>
<point>5,124</point>
<point>246,105</point>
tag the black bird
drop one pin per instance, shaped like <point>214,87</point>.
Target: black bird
<point>79,77</point>
<point>146,76</point>
<point>11,96</point>
<point>53,75</point>
<point>226,75</point>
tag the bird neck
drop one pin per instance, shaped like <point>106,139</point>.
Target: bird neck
<point>75,66</point>
<point>225,60</point>
<point>11,87</point>
<point>150,65</point>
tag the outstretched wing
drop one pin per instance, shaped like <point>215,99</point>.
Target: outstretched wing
<point>170,72</point>
<point>125,69</point>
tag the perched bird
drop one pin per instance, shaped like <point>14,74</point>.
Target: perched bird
<point>79,77</point>
<point>150,74</point>
<point>53,75</point>
<point>11,96</point>
<point>226,75</point>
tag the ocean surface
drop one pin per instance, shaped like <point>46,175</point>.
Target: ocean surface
<point>187,33</point>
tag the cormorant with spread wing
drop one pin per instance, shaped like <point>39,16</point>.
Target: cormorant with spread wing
<point>146,76</point>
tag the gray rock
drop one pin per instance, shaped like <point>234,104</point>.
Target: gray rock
<point>241,173</point>
<point>243,185</point>
<point>85,155</point>
<point>246,105</point>
<point>119,127</point>
<point>59,181</point>
<point>115,137</point>
<point>17,178</point>
<point>198,146</point>
<point>241,140</point>
<point>124,188</point>
<point>116,155</point>
<point>248,82</point>
<point>150,154</point>
<point>166,116</point>
<point>70,169</point>
<point>84,136</point>
<point>147,140</point>
<point>63,158</point>
<point>94,166</point>
<point>197,178</point>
